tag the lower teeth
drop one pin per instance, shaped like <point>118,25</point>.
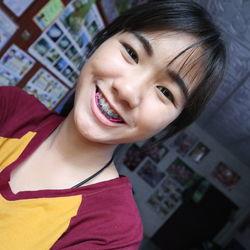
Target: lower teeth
<point>109,114</point>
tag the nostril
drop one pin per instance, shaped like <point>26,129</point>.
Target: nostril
<point>126,94</point>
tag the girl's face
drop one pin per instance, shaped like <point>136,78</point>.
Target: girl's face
<point>127,92</point>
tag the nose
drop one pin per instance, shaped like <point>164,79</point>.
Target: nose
<point>129,92</point>
<point>131,89</point>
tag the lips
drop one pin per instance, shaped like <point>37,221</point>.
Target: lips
<point>106,108</point>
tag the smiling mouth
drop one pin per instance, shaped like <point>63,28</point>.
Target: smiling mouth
<point>105,108</point>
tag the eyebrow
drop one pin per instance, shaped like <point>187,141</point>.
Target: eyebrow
<point>179,81</point>
<point>144,41</point>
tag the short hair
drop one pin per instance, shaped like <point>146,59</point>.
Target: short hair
<point>183,16</point>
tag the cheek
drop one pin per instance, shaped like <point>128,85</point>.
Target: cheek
<point>158,119</point>
<point>108,63</point>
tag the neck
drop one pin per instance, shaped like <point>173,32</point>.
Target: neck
<point>71,147</point>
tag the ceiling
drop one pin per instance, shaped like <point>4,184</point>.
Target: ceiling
<point>227,116</point>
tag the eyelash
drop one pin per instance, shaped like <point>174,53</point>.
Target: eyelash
<point>166,93</point>
<point>131,52</point>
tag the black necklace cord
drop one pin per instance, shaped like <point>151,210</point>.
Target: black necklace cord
<point>94,175</point>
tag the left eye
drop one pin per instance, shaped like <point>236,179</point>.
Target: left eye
<point>166,93</point>
<point>131,53</point>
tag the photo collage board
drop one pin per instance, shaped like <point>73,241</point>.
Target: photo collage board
<point>170,182</point>
<point>63,46</point>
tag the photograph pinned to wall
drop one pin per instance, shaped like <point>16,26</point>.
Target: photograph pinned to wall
<point>52,55</point>
<point>225,175</point>
<point>54,32</point>
<point>48,13</point>
<point>71,52</point>
<point>46,88</point>
<point>182,173</point>
<point>133,157</point>
<point>172,189</point>
<point>199,152</point>
<point>169,185</point>
<point>184,142</point>
<point>83,40</point>
<point>42,46</point>
<point>73,17</point>
<point>16,61</point>
<point>159,194</point>
<point>73,78</point>
<point>7,78</point>
<point>154,203</point>
<point>162,204</point>
<point>64,43</point>
<point>7,29</point>
<point>61,64</point>
<point>150,174</point>
<point>93,21</point>
<point>168,205</point>
<point>67,71</point>
<point>155,151</point>
<point>79,61</point>
<point>18,7</point>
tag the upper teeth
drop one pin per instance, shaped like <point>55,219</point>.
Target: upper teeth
<point>106,108</point>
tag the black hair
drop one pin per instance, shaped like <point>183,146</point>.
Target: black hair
<point>178,16</point>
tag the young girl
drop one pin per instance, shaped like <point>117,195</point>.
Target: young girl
<point>153,68</point>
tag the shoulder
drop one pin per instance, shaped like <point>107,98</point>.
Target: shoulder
<point>107,219</point>
<point>20,109</point>
<point>14,96</point>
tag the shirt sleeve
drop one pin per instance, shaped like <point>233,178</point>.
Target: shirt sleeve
<point>17,109</point>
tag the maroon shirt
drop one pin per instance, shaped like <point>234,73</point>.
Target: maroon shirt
<point>99,216</point>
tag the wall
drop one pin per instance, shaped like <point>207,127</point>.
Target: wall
<point>237,193</point>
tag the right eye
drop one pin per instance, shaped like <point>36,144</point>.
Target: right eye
<point>166,93</point>
<point>131,52</point>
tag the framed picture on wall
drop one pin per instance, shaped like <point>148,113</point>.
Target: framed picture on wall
<point>184,142</point>
<point>182,173</point>
<point>133,157</point>
<point>199,152</point>
<point>150,173</point>
<point>225,175</point>
<point>155,151</point>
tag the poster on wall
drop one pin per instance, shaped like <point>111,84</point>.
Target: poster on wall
<point>48,13</point>
<point>63,47</point>
<point>225,175</point>
<point>182,173</point>
<point>7,28</point>
<point>46,88</point>
<point>166,198</point>
<point>199,152</point>
<point>7,78</point>
<point>80,16</point>
<point>64,64</point>
<point>18,7</point>
<point>150,173</point>
<point>155,151</point>
<point>184,142</point>
<point>16,61</point>
<point>133,157</point>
